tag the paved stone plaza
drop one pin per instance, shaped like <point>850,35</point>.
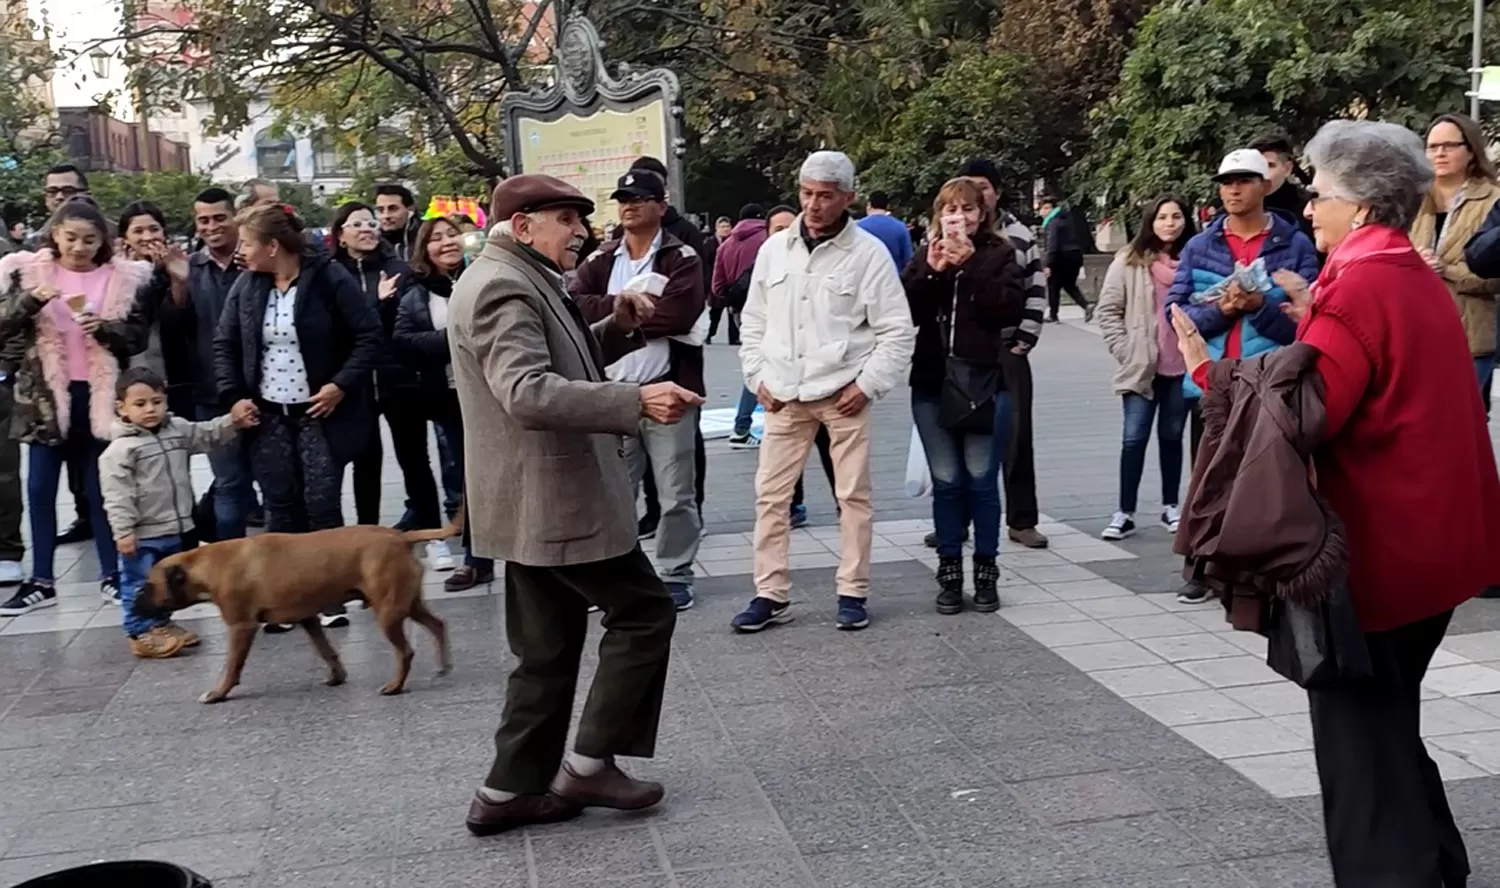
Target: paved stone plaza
<point>1093,733</point>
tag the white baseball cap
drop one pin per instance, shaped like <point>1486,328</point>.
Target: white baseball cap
<point>1241,163</point>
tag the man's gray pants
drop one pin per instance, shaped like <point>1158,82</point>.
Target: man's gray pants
<point>669,448</point>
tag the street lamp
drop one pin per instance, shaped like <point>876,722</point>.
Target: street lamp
<point>100,60</point>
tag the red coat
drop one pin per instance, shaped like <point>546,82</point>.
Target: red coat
<point>1407,463</point>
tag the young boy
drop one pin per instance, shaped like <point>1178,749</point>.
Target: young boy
<point>148,494</point>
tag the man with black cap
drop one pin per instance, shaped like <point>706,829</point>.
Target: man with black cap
<point>549,492</point>
<point>673,352</point>
<point>1021,510</point>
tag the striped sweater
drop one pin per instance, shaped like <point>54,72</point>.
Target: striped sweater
<point>1030,259</point>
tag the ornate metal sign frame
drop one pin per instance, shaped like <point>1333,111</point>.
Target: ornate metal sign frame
<point>583,85</point>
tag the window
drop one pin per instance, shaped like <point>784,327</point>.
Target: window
<point>328,158</point>
<point>275,156</point>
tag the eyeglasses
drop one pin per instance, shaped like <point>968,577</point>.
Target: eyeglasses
<point>63,191</point>
<point>371,224</point>
<point>1445,147</point>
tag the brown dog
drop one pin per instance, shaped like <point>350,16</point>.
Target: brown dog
<point>290,578</point>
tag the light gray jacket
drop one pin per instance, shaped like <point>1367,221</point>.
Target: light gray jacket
<point>144,475</point>
<point>544,460</point>
<point>1127,318</point>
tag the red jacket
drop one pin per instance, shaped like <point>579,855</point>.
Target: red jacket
<point>1407,463</point>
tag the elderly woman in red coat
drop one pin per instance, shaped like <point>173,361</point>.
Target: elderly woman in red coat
<point>1407,465</point>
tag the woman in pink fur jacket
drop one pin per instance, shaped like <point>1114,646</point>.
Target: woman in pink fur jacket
<point>68,324</point>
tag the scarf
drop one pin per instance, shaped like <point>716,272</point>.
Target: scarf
<point>1051,214</point>
<point>1163,270</point>
<point>1362,243</point>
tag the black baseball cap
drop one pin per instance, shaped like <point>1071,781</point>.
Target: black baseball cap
<point>640,185</point>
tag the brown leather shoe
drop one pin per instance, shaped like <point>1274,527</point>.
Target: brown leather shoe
<point>1029,537</point>
<point>610,788</point>
<point>488,818</point>
<point>465,578</point>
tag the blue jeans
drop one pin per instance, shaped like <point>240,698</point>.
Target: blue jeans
<point>1167,398</point>
<point>234,496</point>
<point>1484,366</point>
<point>133,572</point>
<point>44,470</point>
<point>742,414</point>
<point>450,468</point>
<point>453,432</point>
<point>965,471</point>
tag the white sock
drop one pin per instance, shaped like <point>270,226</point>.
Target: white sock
<point>584,766</point>
<point>495,796</point>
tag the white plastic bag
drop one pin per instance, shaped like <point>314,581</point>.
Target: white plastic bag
<point>918,476</point>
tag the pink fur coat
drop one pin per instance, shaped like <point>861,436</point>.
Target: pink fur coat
<point>32,271</point>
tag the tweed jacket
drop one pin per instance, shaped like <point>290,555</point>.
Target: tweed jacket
<point>544,460</point>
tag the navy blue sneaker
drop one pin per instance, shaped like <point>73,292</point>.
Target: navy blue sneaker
<point>799,516</point>
<point>682,595</point>
<point>852,613</point>
<point>761,612</point>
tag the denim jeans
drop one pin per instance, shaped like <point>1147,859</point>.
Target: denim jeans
<point>1170,410</point>
<point>965,471</point>
<point>450,466</point>
<point>233,494</point>
<point>742,414</point>
<point>1484,366</point>
<point>133,572</point>
<point>44,471</point>
<point>453,433</point>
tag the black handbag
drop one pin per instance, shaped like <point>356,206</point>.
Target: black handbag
<point>967,403</point>
<point>1319,646</point>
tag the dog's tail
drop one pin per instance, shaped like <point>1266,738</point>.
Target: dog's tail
<point>454,528</point>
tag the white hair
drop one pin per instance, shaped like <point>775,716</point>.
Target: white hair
<point>829,166</point>
<point>504,228</point>
<point>1377,165</point>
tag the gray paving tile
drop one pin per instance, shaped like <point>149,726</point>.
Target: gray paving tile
<point>773,873</point>
<point>15,870</point>
<point>82,831</point>
<point>1251,829</point>
<point>1132,844</point>
<point>707,843</point>
<point>878,869</point>
<point>1208,875</point>
<point>630,851</point>
<point>216,857</point>
<point>1019,856</point>
<point>845,827</point>
<point>1298,869</point>
<point>1201,784</point>
<point>1081,797</point>
<point>295,845</point>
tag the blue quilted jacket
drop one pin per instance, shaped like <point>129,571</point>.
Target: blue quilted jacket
<point>1206,260</point>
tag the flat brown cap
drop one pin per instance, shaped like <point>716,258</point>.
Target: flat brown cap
<point>529,193</point>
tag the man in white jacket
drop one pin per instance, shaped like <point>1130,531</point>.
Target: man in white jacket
<point>825,331</point>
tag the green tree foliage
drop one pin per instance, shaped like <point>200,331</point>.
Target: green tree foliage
<point>979,105</point>
<point>171,191</point>
<point>29,141</point>
<point>1206,77</point>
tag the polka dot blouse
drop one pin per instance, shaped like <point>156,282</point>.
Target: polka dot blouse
<point>283,373</point>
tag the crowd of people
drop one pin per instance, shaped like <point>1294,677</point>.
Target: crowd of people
<point>308,340</point>
<point>1327,349</point>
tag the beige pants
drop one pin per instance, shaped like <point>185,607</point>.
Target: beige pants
<point>784,447</point>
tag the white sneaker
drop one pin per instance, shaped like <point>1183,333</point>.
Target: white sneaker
<point>11,573</point>
<point>1171,516</point>
<point>438,555</point>
<point>1120,527</point>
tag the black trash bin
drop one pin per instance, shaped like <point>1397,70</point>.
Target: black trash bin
<point>122,874</point>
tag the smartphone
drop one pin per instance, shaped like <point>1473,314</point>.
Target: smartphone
<point>955,227</point>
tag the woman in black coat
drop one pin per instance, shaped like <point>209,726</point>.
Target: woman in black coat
<point>421,344</point>
<point>383,277</point>
<point>298,338</point>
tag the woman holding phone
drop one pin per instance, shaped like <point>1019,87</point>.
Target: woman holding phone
<point>967,297</point>
<point>70,312</point>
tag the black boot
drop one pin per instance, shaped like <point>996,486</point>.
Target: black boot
<point>950,577</point>
<point>986,581</point>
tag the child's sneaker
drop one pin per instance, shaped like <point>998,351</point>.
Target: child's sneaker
<point>189,637</point>
<point>156,644</point>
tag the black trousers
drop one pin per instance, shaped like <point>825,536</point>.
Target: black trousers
<point>546,623</point>
<point>1384,807</point>
<point>408,424</point>
<point>1064,276</point>
<point>302,482</point>
<point>824,457</point>
<point>12,502</point>
<point>1021,510</point>
<point>715,314</point>
<point>648,481</point>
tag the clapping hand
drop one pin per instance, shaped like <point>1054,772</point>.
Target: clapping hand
<point>632,310</point>
<point>1298,294</point>
<point>667,402</point>
<point>175,261</point>
<point>1189,341</point>
<point>387,286</point>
